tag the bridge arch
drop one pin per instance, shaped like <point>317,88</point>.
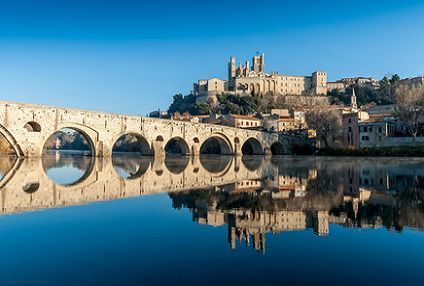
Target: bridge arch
<point>252,146</point>
<point>10,140</point>
<point>216,144</point>
<point>177,146</point>
<point>132,142</point>
<point>87,133</point>
<point>277,148</point>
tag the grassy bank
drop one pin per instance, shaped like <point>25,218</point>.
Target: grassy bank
<point>402,151</point>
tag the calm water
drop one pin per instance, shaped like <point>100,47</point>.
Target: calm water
<point>74,220</point>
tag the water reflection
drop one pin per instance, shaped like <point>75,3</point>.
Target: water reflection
<point>215,164</point>
<point>131,166</point>
<point>313,193</point>
<point>7,164</point>
<point>252,196</point>
<point>66,168</point>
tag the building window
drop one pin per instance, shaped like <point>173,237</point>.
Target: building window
<point>380,129</point>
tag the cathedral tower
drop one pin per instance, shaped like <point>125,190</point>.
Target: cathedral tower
<point>231,68</point>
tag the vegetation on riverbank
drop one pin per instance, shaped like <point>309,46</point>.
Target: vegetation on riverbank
<point>401,151</point>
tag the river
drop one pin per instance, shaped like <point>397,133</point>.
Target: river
<point>129,220</point>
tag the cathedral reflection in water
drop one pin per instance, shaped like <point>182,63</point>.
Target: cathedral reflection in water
<point>251,195</point>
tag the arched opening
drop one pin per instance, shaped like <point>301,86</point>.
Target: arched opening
<point>177,146</point>
<point>30,188</point>
<point>132,143</point>
<point>131,167</point>
<point>32,126</point>
<point>252,147</point>
<point>69,141</point>
<point>277,149</point>
<point>67,170</point>
<point>215,146</point>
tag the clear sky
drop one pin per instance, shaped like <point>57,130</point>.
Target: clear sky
<point>133,56</point>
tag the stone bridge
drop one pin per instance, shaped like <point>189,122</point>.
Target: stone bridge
<point>26,186</point>
<point>27,127</point>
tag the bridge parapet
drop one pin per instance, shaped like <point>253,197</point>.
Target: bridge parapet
<point>28,126</point>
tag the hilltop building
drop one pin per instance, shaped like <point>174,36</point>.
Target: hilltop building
<point>343,83</point>
<point>252,79</point>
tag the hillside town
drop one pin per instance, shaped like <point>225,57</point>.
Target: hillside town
<point>349,113</point>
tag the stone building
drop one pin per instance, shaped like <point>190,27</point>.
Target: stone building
<point>350,130</point>
<point>375,131</point>
<point>343,83</point>
<point>240,121</point>
<point>252,79</point>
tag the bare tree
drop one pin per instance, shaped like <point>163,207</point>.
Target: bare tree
<point>410,107</point>
<point>326,122</point>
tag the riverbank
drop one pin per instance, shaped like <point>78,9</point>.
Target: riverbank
<point>405,151</point>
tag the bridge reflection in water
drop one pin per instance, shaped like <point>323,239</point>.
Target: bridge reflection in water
<point>251,195</point>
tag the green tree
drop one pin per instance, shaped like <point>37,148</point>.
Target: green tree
<point>199,109</point>
<point>385,94</point>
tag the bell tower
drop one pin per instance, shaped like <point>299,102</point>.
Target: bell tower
<point>353,103</point>
<point>231,71</point>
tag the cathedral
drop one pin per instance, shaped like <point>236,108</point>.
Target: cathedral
<point>252,79</point>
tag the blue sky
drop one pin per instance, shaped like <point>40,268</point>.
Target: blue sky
<point>133,56</point>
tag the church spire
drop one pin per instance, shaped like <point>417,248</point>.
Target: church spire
<point>353,103</point>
